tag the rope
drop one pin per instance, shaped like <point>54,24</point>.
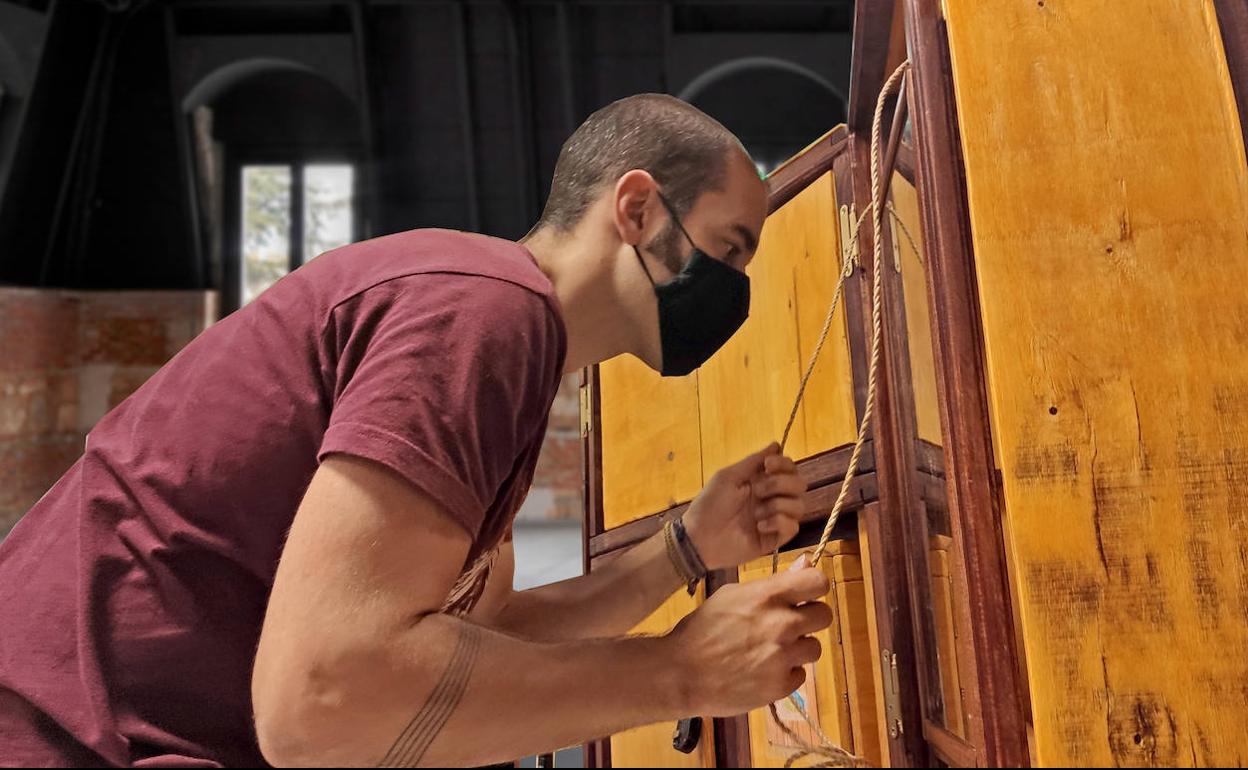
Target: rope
<point>847,271</point>
<point>892,212</point>
<point>833,755</point>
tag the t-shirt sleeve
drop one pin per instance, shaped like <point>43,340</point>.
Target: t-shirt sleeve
<point>445,379</point>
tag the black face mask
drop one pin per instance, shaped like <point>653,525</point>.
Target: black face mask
<point>699,309</point>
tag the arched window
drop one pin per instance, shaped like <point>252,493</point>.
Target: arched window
<point>282,145</point>
<point>774,106</point>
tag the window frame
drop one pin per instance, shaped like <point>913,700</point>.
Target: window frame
<point>297,159</point>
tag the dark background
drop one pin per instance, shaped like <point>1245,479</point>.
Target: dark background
<point>123,123</point>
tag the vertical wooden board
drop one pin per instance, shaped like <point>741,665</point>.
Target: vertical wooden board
<point>946,637</point>
<point>1108,199</point>
<point>854,617</point>
<point>918,318</point>
<point>747,388</point>
<point>830,681</point>
<point>651,746</point>
<point>811,232</point>
<point>874,650</point>
<point>651,447</point>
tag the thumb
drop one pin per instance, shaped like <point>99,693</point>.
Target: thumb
<point>745,469</point>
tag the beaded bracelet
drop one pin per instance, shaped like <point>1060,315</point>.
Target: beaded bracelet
<point>683,554</point>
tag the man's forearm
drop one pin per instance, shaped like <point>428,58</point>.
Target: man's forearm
<point>605,603</point>
<point>453,683</point>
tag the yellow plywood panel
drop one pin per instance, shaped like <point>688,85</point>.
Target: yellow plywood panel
<point>856,622</point>
<point>946,640</point>
<point>651,746</point>
<point>830,682</point>
<point>918,321</point>
<point>651,449</point>
<point>874,671</point>
<point>747,389</point>
<point>1108,198</point>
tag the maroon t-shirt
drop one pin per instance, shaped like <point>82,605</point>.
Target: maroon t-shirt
<point>132,594</point>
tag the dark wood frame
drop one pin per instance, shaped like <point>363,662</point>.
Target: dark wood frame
<point>997,732</point>
<point>1233,22</point>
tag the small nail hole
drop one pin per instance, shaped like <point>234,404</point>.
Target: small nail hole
<point>1052,410</point>
<point>1138,739</point>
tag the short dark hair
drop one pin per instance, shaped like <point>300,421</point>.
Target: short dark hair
<point>683,148</point>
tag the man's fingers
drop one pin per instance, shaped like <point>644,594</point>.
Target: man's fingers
<point>751,465</point>
<point>779,463</point>
<point>771,485</point>
<point>808,619</point>
<point>805,650</point>
<point>780,507</point>
<point>798,586</point>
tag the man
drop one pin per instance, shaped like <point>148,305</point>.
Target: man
<point>290,545</point>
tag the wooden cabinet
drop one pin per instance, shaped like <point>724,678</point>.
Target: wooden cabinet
<point>840,687</point>
<point>1043,560</point>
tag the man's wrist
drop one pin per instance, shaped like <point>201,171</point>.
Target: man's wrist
<point>683,555</point>
<point>678,681</point>
<point>698,538</point>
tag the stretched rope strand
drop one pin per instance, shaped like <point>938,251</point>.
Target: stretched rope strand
<point>846,272</point>
<point>832,755</point>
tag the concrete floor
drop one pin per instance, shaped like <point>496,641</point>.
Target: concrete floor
<point>546,552</point>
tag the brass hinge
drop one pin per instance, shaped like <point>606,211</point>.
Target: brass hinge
<point>849,241</point>
<point>892,236</point>
<point>892,696</point>
<point>586,422</point>
<point>836,621</point>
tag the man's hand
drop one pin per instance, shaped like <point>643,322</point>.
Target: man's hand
<point>747,509</point>
<point>747,644</point>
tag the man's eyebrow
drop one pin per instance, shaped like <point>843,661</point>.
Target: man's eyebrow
<point>751,242</point>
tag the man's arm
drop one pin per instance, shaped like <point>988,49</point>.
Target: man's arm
<point>745,510</point>
<point>356,668</point>
<point>610,601</point>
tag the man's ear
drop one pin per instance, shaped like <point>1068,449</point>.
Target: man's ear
<point>634,207</point>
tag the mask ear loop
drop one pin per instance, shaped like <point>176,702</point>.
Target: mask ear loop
<point>642,260</point>
<point>671,211</point>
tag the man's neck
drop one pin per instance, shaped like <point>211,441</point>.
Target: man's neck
<point>587,285</point>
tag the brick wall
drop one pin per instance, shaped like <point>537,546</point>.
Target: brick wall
<point>556,492</point>
<point>67,357</point>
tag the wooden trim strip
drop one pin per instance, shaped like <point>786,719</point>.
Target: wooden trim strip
<point>732,734</point>
<point>591,461</point>
<point>873,31</point>
<point>887,522</point>
<point>906,161</point>
<point>949,748</point>
<point>1233,20</point>
<point>798,172</point>
<point>863,489</point>
<point>930,457</point>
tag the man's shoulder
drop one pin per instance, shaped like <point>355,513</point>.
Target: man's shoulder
<point>434,251</point>
<point>443,279</point>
